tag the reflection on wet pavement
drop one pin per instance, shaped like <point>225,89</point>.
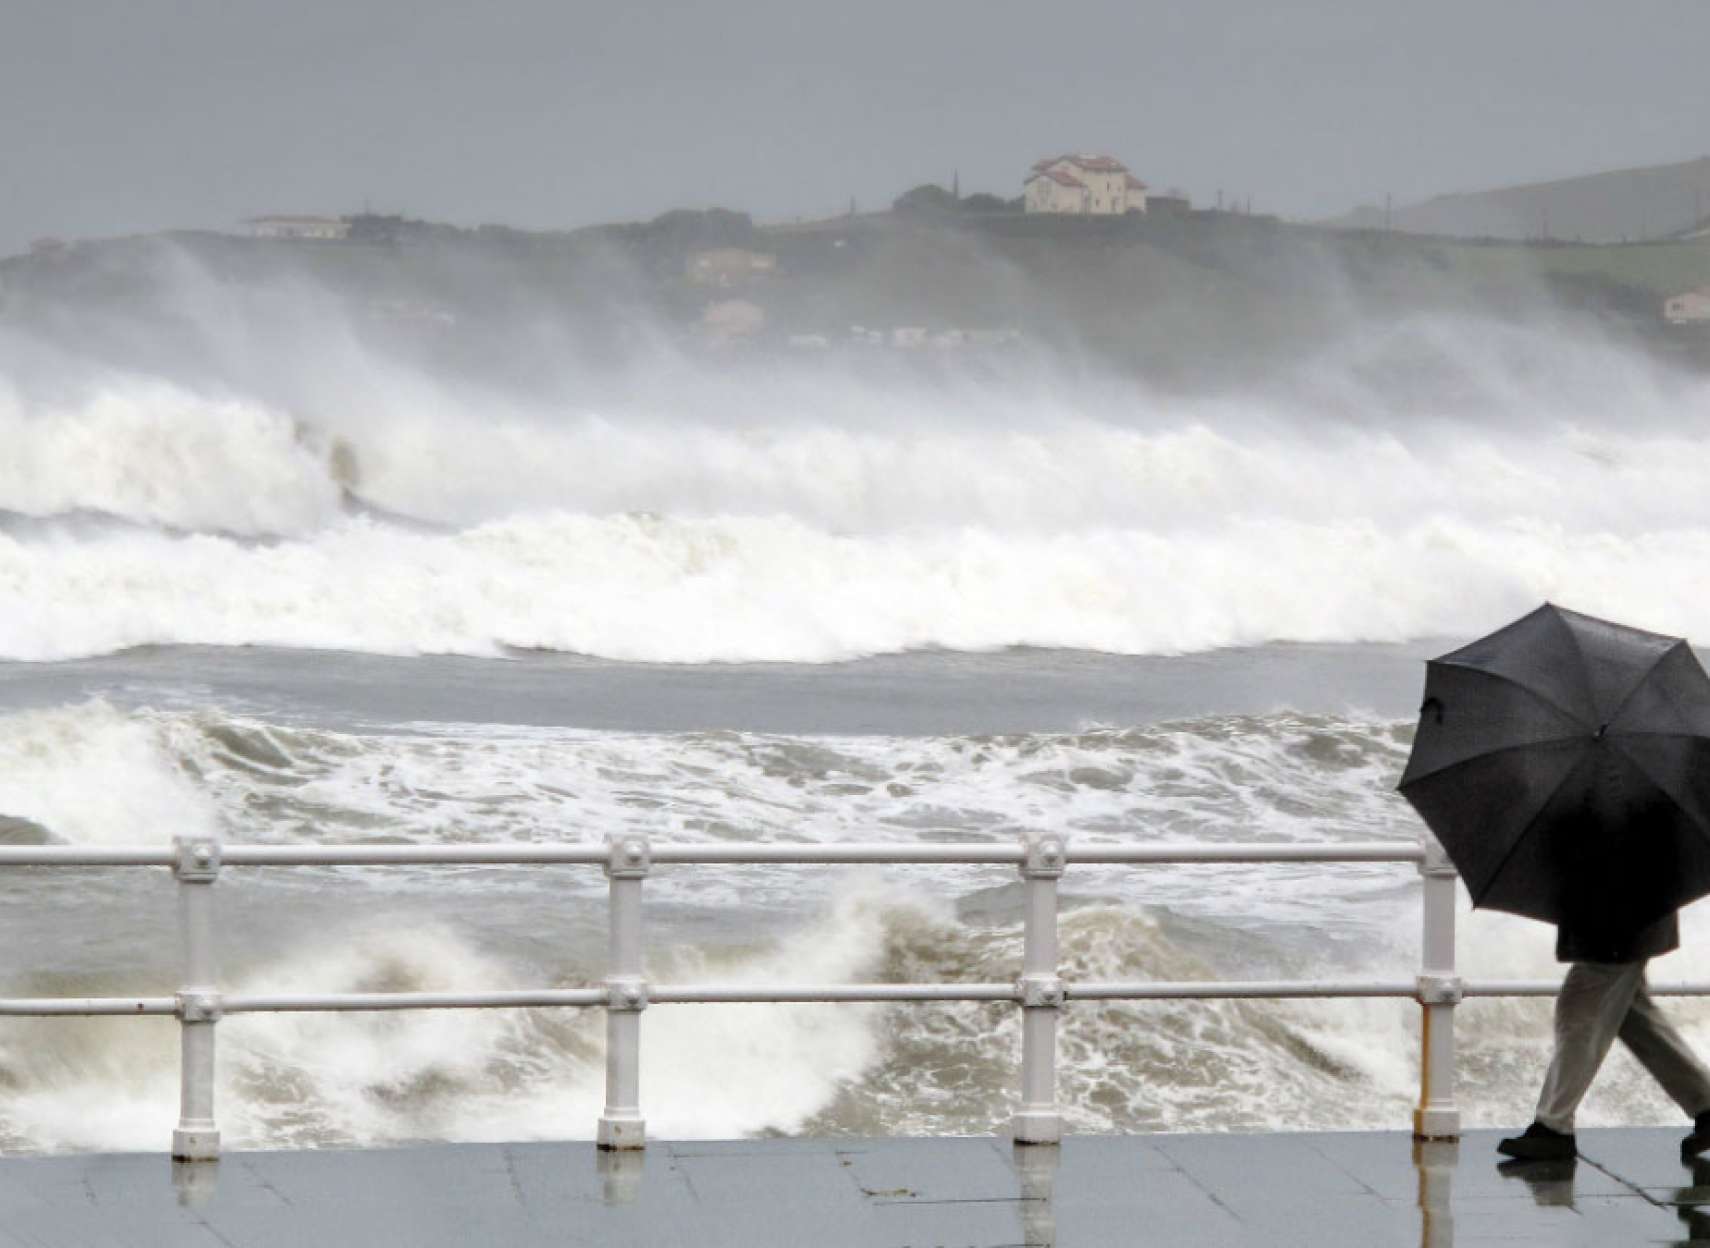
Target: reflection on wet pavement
<point>1209,1191</point>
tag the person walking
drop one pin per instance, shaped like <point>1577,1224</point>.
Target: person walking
<point>1557,761</point>
<point>1602,998</point>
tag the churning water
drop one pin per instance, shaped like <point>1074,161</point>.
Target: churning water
<point>813,524</point>
<point>773,523</point>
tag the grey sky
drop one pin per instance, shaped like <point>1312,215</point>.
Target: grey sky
<point>126,115</point>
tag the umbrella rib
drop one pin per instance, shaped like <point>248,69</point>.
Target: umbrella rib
<point>1584,663</point>
<point>1640,683</point>
<point>1648,774</point>
<point>1555,706</point>
<point>1501,749</point>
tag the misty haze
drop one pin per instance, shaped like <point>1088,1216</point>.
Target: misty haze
<point>759,423</point>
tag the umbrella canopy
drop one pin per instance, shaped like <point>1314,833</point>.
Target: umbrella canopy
<point>1564,764</point>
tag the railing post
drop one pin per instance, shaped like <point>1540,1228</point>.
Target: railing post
<point>196,1137</point>
<point>1440,989</point>
<point>621,1124</point>
<point>1041,993</point>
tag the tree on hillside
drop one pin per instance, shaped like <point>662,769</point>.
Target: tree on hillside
<point>924,200</point>
<point>710,227</point>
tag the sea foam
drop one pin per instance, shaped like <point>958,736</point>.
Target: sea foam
<point>746,523</point>
<point>298,1080</point>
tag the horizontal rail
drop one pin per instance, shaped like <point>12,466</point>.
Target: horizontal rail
<point>707,852</point>
<point>1144,990</point>
<point>45,1006</point>
<point>762,995</point>
<point>1206,990</point>
<point>1184,990</point>
<point>290,1003</point>
<point>86,856</point>
<point>975,852</point>
<point>1549,988</point>
<point>1264,851</point>
<point>767,994</point>
<point>501,853</point>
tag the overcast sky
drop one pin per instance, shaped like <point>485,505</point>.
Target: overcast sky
<point>125,115</point>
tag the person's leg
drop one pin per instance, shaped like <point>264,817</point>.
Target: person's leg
<point>1590,1010</point>
<point>1664,1053</point>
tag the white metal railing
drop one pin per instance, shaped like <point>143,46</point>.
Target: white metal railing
<point>625,993</point>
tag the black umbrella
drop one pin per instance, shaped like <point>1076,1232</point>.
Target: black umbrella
<point>1564,764</point>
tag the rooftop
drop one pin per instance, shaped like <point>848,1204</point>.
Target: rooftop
<point>1093,163</point>
<point>1208,1191</point>
<point>1059,177</point>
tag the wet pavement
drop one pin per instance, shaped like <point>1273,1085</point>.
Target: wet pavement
<point>1203,1191</point>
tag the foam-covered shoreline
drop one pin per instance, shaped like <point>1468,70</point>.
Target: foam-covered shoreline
<point>306,1080</point>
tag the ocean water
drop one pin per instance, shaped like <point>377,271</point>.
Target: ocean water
<point>762,608</point>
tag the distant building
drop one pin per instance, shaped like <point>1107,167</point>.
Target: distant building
<point>729,266</point>
<point>387,228</point>
<point>1085,185</point>
<point>732,320</point>
<point>320,229</point>
<point>1170,202</point>
<point>1690,307</point>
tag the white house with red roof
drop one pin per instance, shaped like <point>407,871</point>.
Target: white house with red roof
<point>1085,184</point>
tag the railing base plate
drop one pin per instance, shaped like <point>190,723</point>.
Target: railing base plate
<point>622,1133</point>
<point>196,1144</point>
<point>1436,1124</point>
<point>1036,1127</point>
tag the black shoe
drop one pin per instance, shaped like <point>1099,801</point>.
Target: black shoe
<point>1539,1143</point>
<point>1699,1141</point>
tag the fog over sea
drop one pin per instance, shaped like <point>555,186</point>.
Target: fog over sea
<point>342,599</point>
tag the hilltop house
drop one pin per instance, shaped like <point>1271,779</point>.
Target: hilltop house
<point>1087,185</point>
<point>322,229</point>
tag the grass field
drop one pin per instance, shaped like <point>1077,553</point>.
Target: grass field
<point>1660,268</point>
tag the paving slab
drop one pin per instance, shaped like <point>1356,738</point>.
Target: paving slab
<point>921,1171</point>
<point>1198,1191</point>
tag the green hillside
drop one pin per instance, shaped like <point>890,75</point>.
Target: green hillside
<point>1660,268</point>
<point>1620,205</point>
<point>1186,297</point>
